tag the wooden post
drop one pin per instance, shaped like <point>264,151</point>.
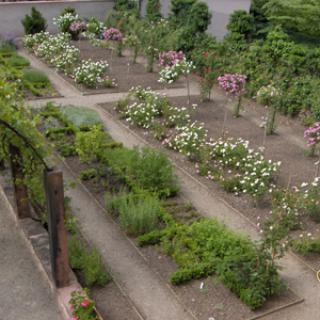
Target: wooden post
<point>53,181</point>
<point>20,189</point>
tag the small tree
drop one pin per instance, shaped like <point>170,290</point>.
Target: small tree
<point>267,96</point>
<point>34,23</point>
<point>241,22</point>
<point>234,85</point>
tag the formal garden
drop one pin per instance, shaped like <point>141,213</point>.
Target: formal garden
<point>239,116</point>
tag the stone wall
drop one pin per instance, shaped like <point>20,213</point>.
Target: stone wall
<point>11,13</point>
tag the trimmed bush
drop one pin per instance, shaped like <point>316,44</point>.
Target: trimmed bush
<point>34,23</point>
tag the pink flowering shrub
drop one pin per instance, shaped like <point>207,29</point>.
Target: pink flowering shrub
<point>113,34</point>
<point>312,135</point>
<point>78,26</point>
<point>170,58</point>
<point>233,84</point>
<point>82,307</point>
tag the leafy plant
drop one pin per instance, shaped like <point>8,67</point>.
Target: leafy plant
<point>89,263</point>
<point>153,10</point>
<point>139,214</point>
<point>34,23</point>
<point>206,247</point>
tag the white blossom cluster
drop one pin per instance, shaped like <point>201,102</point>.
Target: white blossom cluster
<point>63,21</point>
<point>170,74</point>
<point>188,139</point>
<point>253,171</point>
<point>91,73</point>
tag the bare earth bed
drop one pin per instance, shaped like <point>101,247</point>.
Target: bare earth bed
<point>277,148</point>
<point>214,299</point>
<point>125,73</point>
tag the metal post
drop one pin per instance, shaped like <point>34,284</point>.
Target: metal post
<point>20,189</point>
<point>53,181</point>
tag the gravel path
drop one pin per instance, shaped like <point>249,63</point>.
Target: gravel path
<point>24,292</point>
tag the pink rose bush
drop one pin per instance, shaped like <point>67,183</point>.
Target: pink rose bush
<point>113,34</point>
<point>312,135</point>
<point>82,307</point>
<point>78,26</point>
<point>233,85</point>
<point>170,58</point>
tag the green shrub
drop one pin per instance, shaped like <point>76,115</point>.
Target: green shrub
<point>153,172</point>
<point>113,202</point>
<point>7,49</point>
<point>17,61</point>
<point>153,10</point>
<point>88,263</point>
<point>139,214</point>
<point>80,116</point>
<point>34,23</point>
<point>241,22</point>
<point>306,245</point>
<point>90,145</point>
<point>37,78</point>
<point>206,247</point>
<point>146,169</point>
<point>88,174</point>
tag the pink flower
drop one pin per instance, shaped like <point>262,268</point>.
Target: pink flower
<point>312,134</point>
<point>170,58</point>
<point>233,84</point>
<point>113,34</point>
<point>85,303</point>
<point>78,26</point>
<point>75,318</point>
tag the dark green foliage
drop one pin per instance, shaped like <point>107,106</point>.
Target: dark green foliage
<point>206,247</point>
<point>199,17</point>
<point>180,10</point>
<point>153,10</point>
<point>125,5</point>
<point>241,22</point>
<point>258,12</point>
<point>34,23</point>
<point>298,16</point>
<point>189,19</point>
<point>70,10</point>
<point>17,61</point>
<point>146,169</point>
<point>88,174</point>
<point>88,263</point>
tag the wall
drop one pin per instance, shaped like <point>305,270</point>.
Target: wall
<point>221,10</point>
<point>11,13</point>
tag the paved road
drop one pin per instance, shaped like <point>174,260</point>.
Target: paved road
<point>24,292</point>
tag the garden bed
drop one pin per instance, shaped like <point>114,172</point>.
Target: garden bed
<point>278,148</point>
<point>214,300</point>
<point>213,297</point>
